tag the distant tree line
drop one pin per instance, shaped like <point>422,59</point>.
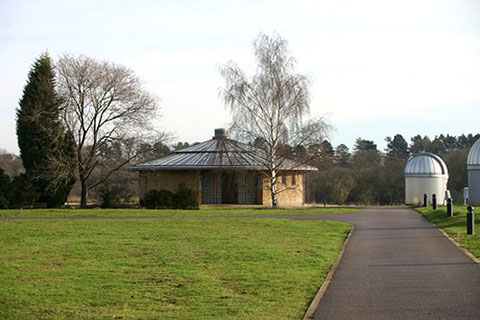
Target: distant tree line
<point>367,175</point>
<point>364,175</point>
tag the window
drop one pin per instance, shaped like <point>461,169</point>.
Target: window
<point>284,179</point>
<point>294,179</point>
<point>258,183</point>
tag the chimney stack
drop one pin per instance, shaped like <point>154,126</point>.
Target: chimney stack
<point>220,133</point>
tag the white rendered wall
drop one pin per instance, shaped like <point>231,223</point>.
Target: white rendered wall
<point>416,187</point>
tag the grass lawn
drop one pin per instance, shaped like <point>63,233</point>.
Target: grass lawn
<point>164,269</point>
<point>204,211</point>
<point>455,226</point>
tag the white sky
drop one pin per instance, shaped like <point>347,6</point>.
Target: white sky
<point>379,67</point>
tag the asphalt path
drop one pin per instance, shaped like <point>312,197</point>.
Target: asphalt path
<point>397,265</point>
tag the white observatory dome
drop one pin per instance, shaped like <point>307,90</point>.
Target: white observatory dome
<point>426,164</point>
<point>425,173</point>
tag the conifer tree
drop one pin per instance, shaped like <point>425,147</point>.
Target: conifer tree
<point>397,147</point>
<point>47,151</point>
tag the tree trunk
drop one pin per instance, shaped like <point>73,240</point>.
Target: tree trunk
<point>273,188</point>
<point>84,193</point>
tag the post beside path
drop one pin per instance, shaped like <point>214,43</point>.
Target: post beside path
<point>449,207</point>
<point>470,221</point>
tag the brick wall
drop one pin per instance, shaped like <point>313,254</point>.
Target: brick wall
<point>290,193</point>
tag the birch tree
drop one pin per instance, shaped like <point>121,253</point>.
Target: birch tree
<point>270,106</point>
<point>104,102</point>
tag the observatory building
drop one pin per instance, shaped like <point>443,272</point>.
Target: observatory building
<point>224,171</point>
<point>473,167</point>
<point>426,173</point>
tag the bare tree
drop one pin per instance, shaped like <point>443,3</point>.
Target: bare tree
<point>11,163</point>
<point>269,107</point>
<point>105,102</point>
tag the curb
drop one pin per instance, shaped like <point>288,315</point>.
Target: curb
<point>467,253</point>
<point>321,292</point>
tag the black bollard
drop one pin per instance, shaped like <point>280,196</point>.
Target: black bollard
<point>425,200</point>
<point>434,201</point>
<point>449,207</point>
<point>470,220</point>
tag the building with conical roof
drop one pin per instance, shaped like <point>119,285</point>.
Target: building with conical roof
<point>425,173</point>
<point>473,168</point>
<point>223,171</point>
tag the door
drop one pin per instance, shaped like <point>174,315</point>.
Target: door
<point>229,187</point>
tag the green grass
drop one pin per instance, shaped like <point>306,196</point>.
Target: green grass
<point>164,269</point>
<point>204,211</point>
<point>455,226</point>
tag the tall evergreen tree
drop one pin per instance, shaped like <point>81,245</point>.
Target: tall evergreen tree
<point>362,145</point>
<point>419,144</point>
<point>397,147</point>
<point>342,155</point>
<point>47,151</point>
<point>327,155</point>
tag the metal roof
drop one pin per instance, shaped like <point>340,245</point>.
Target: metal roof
<point>473,160</point>
<point>426,164</point>
<point>217,153</point>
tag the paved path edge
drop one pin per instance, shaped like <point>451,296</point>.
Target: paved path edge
<point>467,253</point>
<point>323,288</point>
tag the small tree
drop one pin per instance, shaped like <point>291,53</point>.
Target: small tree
<point>47,151</point>
<point>342,183</point>
<point>110,196</point>
<point>104,103</point>
<point>269,107</point>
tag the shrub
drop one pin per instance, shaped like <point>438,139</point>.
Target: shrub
<point>110,196</point>
<point>164,199</point>
<point>185,197</point>
<point>149,200</point>
<point>4,189</point>
<point>22,192</point>
<point>3,202</point>
<point>158,199</point>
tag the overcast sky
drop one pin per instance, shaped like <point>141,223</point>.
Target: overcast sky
<point>379,67</point>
